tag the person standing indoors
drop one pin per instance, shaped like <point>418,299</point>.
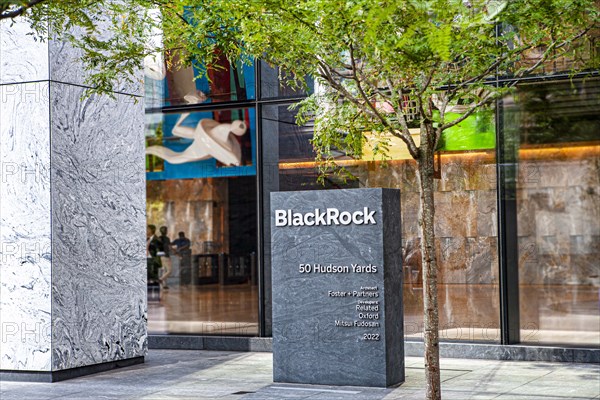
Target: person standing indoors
<point>165,256</point>
<point>183,250</point>
<point>153,246</point>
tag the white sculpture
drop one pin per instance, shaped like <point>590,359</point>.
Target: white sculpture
<point>211,139</point>
<point>154,66</point>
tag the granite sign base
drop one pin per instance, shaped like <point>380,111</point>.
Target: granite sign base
<point>337,287</point>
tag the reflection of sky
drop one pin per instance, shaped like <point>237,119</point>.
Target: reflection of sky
<point>153,92</point>
<point>151,123</point>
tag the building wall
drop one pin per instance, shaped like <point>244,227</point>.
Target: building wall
<point>466,241</point>
<point>76,288</point>
<point>559,229</point>
<point>558,197</point>
<point>98,224</point>
<point>25,228</point>
<point>558,193</point>
<point>558,214</point>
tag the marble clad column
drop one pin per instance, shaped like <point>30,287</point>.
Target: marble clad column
<point>72,212</point>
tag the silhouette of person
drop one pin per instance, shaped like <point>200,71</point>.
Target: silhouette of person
<point>183,248</point>
<point>153,246</point>
<point>165,257</point>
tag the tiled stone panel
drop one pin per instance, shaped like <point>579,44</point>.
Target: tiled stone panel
<point>466,224</point>
<point>98,221</point>
<point>22,57</point>
<point>65,65</point>
<point>559,219</point>
<point>25,267</point>
<point>26,58</point>
<point>72,213</point>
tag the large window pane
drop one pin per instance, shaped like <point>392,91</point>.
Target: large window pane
<point>558,60</point>
<point>466,218</point>
<point>272,84</point>
<point>557,128</point>
<point>206,200</point>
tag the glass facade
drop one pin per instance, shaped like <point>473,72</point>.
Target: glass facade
<point>543,140</point>
<point>201,207</point>
<point>466,241</point>
<point>556,130</point>
<point>230,82</point>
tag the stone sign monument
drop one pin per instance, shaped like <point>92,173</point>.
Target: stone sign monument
<point>337,287</point>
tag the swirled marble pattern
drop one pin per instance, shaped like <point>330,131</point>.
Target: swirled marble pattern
<point>25,267</point>
<point>22,57</point>
<point>66,66</point>
<point>98,221</point>
<point>26,58</point>
<point>72,212</point>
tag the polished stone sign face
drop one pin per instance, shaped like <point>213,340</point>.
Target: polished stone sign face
<point>337,287</point>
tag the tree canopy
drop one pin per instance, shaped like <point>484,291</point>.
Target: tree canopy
<point>363,46</point>
<point>382,67</point>
<point>376,59</point>
<point>114,36</point>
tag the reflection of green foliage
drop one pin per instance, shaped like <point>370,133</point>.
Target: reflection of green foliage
<point>154,163</point>
<point>474,133</point>
<point>154,134</point>
<point>559,112</point>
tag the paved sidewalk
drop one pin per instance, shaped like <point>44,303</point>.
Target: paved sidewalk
<point>178,374</point>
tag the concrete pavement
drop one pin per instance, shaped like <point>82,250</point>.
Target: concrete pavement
<point>185,374</point>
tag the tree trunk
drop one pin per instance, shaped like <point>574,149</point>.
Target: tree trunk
<point>428,258</point>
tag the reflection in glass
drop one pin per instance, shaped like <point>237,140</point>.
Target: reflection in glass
<point>209,271</point>
<point>206,207</point>
<point>466,220</point>
<point>557,128</point>
<point>272,84</point>
<point>226,82</point>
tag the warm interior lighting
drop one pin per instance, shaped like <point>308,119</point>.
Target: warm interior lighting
<point>570,151</point>
<point>397,149</point>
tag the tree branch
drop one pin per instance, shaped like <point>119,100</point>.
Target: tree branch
<point>19,10</point>
<point>454,89</point>
<point>398,109</point>
<point>406,138</point>
<point>442,109</point>
<point>401,115</point>
<point>326,73</point>
<point>469,112</point>
<point>551,47</point>
<point>427,82</point>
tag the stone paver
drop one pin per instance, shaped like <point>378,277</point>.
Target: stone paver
<point>179,374</point>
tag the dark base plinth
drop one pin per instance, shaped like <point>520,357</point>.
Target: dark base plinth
<point>413,348</point>
<point>56,376</point>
